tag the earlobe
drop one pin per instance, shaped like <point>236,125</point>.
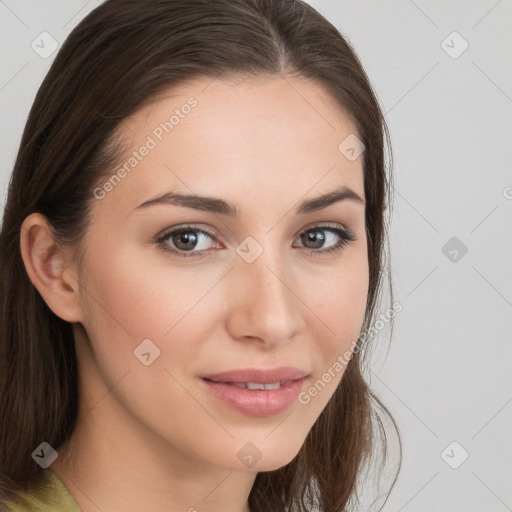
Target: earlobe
<point>45,263</point>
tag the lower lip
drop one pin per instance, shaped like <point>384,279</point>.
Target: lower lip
<point>259,402</point>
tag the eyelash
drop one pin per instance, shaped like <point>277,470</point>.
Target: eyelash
<point>346,235</point>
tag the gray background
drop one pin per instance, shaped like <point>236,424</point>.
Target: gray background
<point>446,377</point>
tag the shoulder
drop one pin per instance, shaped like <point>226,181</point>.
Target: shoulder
<point>51,495</point>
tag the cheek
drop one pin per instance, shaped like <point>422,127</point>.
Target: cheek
<point>338,306</point>
<point>338,299</point>
<point>134,301</point>
<point>130,300</point>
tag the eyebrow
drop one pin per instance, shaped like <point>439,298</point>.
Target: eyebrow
<point>222,207</point>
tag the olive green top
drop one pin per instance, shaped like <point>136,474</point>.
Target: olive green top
<point>51,496</point>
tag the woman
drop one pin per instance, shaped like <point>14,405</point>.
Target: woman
<point>191,255</point>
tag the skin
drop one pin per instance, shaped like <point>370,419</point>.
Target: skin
<point>149,437</point>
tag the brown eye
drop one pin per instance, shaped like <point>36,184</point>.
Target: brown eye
<point>185,240</point>
<point>315,239</point>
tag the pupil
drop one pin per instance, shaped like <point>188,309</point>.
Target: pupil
<point>186,238</point>
<point>316,237</point>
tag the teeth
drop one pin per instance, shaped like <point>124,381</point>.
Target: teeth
<point>255,385</point>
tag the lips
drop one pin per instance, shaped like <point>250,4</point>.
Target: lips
<point>283,375</point>
<point>255,403</point>
<point>256,392</point>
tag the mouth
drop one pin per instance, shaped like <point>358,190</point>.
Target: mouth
<point>255,399</point>
<point>277,376</point>
<point>254,385</point>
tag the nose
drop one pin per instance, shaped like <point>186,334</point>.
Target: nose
<point>264,304</point>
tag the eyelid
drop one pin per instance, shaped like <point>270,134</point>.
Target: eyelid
<point>167,231</point>
<point>320,224</point>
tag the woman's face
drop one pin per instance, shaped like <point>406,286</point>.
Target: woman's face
<point>254,288</point>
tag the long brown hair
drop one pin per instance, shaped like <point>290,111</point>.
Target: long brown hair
<point>116,59</point>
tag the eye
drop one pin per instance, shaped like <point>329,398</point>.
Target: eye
<point>317,238</point>
<point>184,240</point>
<point>192,240</point>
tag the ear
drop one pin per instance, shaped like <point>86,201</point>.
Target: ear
<point>49,267</point>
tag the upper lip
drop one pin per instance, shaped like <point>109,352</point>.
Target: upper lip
<point>261,376</point>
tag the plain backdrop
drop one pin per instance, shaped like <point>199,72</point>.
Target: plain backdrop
<point>442,74</point>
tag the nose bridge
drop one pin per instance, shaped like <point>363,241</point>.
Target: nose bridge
<point>265,303</point>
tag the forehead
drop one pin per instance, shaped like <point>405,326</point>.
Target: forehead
<point>236,139</point>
